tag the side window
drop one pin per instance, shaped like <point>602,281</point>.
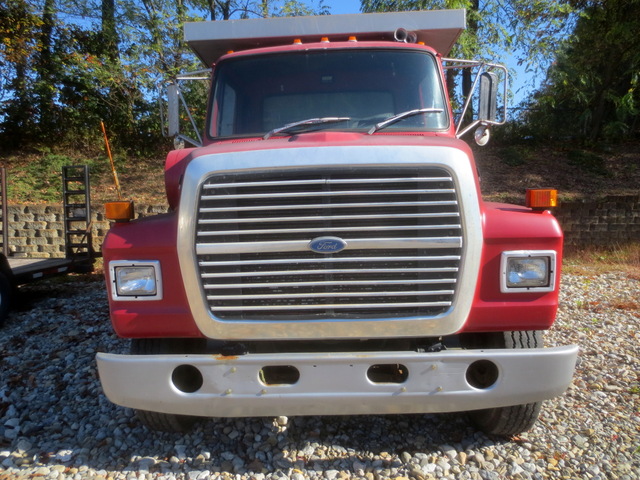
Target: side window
<point>431,97</point>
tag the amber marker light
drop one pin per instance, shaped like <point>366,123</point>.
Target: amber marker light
<point>297,41</point>
<point>541,198</point>
<point>353,38</point>
<point>121,211</point>
<point>324,40</point>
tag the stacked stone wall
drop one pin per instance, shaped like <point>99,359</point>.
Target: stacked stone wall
<point>613,220</point>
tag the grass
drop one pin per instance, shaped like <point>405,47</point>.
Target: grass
<point>595,260</point>
<point>36,177</point>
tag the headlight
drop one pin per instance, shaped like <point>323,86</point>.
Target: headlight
<point>135,280</point>
<point>530,271</point>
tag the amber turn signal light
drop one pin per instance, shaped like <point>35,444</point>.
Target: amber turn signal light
<point>121,211</point>
<point>541,198</point>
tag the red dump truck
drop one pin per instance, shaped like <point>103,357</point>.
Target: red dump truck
<point>327,250</point>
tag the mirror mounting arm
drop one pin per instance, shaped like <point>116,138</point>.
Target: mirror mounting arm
<point>487,82</point>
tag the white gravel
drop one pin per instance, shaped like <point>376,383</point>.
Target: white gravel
<point>55,422</point>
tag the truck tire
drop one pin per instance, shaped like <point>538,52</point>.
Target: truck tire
<point>6,297</point>
<point>512,420</point>
<point>166,422</point>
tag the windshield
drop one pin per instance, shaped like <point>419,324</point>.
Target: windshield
<point>255,95</point>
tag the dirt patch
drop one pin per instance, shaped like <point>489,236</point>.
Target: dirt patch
<point>507,171</point>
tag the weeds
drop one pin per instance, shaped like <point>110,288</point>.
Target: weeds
<point>588,162</point>
<point>599,260</point>
<point>514,156</point>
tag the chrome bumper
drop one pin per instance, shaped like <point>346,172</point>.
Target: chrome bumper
<point>335,383</point>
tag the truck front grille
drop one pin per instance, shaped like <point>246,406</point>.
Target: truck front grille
<point>402,228</point>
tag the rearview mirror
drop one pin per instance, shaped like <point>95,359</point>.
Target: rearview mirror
<point>488,98</point>
<point>173,110</point>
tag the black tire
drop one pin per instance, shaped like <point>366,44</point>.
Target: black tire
<point>505,421</point>
<point>6,297</point>
<point>166,422</point>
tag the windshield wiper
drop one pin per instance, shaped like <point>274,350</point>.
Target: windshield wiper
<point>402,116</point>
<point>304,123</point>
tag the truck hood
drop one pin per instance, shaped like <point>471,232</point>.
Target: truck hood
<point>325,139</point>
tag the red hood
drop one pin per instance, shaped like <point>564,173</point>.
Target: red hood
<point>326,139</point>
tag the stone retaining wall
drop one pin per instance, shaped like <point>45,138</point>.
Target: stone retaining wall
<point>38,230</point>
<point>610,221</point>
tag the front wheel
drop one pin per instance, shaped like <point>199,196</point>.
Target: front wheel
<point>166,422</point>
<point>515,419</point>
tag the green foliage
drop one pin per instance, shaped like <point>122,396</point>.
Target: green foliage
<point>591,92</point>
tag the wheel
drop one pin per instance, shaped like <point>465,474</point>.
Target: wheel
<point>6,297</point>
<point>505,421</point>
<point>166,422</point>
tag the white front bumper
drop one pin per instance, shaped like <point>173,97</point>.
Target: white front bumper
<point>335,383</point>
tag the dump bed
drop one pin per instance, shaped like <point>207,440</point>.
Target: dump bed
<point>209,40</point>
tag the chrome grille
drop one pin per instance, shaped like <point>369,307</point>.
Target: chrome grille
<point>402,228</point>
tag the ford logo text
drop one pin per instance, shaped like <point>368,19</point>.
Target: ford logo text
<point>327,244</point>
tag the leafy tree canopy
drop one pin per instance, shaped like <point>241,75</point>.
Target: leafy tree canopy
<point>592,90</point>
<point>66,65</point>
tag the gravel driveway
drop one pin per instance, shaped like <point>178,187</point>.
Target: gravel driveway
<point>56,424</point>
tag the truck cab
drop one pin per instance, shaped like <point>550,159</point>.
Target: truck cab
<point>327,248</point>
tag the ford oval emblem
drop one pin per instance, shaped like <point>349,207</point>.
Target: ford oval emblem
<point>327,244</point>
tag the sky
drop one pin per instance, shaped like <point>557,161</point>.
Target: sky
<point>343,6</point>
<point>521,86</point>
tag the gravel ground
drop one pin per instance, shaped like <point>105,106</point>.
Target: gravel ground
<point>55,422</point>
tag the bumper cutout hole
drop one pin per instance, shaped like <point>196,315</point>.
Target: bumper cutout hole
<point>279,375</point>
<point>482,374</point>
<point>388,373</point>
<point>187,378</point>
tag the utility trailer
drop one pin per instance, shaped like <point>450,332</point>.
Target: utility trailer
<point>327,249</point>
<point>18,269</point>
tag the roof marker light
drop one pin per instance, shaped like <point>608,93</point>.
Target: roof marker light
<point>297,41</point>
<point>352,38</point>
<point>324,40</point>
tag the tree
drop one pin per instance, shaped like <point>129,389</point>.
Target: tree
<point>18,46</point>
<point>592,90</point>
<point>227,9</point>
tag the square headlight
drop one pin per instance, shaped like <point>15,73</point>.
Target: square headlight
<point>135,280</point>
<point>528,270</point>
